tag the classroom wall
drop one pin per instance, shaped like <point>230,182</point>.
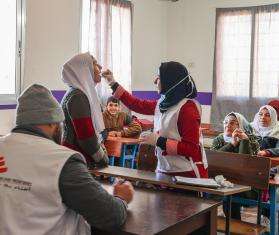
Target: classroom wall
<point>191,37</point>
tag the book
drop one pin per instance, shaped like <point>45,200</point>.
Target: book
<point>209,183</point>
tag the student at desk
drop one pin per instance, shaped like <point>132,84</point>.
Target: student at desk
<point>266,128</point>
<point>177,120</point>
<point>117,123</point>
<point>238,136</point>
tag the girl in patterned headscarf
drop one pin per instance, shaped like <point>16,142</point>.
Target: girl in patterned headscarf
<point>237,137</point>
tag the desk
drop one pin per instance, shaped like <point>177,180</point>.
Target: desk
<point>164,212</point>
<point>274,161</point>
<point>116,147</point>
<point>166,180</point>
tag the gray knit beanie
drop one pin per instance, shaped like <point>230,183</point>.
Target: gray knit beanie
<point>36,105</point>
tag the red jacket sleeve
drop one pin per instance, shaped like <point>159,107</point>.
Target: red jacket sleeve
<point>189,128</point>
<point>146,107</point>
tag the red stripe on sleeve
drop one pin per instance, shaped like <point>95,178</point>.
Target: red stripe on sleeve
<point>83,127</point>
<point>3,169</point>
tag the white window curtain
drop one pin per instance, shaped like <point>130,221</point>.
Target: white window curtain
<point>246,62</point>
<point>107,35</point>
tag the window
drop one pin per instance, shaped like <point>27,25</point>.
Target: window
<point>106,34</point>
<point>247,52</point>
<point>11,24</point>
<point>246,62</point>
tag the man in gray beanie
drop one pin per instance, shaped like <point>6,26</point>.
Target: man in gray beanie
<point>47,188</point>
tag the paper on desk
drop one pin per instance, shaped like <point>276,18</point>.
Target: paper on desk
<point>211,183</point>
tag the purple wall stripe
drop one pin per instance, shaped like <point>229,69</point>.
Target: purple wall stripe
<point>8,106</point>
<point>58,94</point>
<point>150,95</point>
<point>203,97</point>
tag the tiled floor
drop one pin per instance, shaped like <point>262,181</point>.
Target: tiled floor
<point>248,214</point>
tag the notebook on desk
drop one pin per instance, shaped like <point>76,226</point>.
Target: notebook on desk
<point>209,183</point>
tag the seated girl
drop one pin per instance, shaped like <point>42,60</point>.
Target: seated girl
<point>118,123</point>
<point>266,128</point>
<point>237,136</point>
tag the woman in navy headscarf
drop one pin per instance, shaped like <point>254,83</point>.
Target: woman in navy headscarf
<point>177,118</point>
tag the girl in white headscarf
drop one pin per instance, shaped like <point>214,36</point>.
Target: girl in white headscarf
<point>237,137</point>
<point>84,126</point>
<point>266,127</point>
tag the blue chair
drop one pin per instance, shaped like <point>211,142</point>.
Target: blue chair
<point>129,153</point>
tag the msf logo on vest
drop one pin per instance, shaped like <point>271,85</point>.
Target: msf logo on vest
<point>3,167</point>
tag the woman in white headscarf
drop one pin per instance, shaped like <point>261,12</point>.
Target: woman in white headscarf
<point>266,128</point>
<point>237,137</point>
<point>83,126</point>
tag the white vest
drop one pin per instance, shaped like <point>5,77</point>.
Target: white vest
<point>30,201</point>
<point>166,124</point>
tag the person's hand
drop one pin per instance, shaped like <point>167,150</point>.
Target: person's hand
<point>125,191</point>
<point>241,134</point>
<point>263,153</point>
<point>149,138</point>
<point>108,75</point>
<point>115,133</point>
<point>235,138</point>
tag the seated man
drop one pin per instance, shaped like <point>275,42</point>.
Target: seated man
<point>46,188</point>
<point>118,123</point>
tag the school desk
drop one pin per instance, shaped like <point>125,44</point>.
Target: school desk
<point>117,147</point>
<point>165,180</point>
<point>164,212</point>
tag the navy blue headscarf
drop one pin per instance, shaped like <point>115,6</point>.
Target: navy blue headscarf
<point>176,84</point>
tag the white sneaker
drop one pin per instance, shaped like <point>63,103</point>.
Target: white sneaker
<point>265,222</point>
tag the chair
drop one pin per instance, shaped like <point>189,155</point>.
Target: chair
<point>241,169</point>
<point>147,160</point>
<point>129,152</point>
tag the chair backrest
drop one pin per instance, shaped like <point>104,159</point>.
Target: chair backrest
<point>239,168</point>
<point>146,158</point>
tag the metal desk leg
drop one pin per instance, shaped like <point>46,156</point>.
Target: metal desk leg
<point>122,159</point>
<point>273,229</point>
<point>259,207</point>
<point>228,214</point>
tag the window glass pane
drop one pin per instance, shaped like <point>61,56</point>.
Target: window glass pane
<point>121,44</point>
<point>233,45</point>
<point>8,47</point>
<point>266,55</point>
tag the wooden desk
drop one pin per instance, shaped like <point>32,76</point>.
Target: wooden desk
<point>164,212</point>
<point>114,144</point>
<point>164,180</point>
<point>274,161</point>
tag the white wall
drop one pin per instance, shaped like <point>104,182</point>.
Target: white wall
<point>52,37</point>
<point>191,37</point>
<point>149,41</point>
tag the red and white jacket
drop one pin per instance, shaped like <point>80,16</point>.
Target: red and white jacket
<point>184,154</point>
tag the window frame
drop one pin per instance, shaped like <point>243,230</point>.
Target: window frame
<point>8,99</point>
<point>253,10</point>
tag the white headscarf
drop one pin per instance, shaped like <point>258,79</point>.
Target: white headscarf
<point>78,72</point>
<point>272,130</point>
<point>242,122</point>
